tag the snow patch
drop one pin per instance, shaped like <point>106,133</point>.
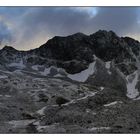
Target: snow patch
<point>35,67</point>
<point>94,113</point>
<point>132,80</point>
<point>108,65</point>
<point>41,111</point>
<point>60,72</point>
<point>18,72</point>
<point>88,110</point>
<point>20,123</point>
<point>19,65</point>
<point>58,75</point>
<point>8,96</point>
<point>102,88</point>
<point>83,75</point>
<point>95,57</point>
<point>46,71</point>
<point>79,99</point>
<point>138,98</point>
<point>99,128</point>
<point>3,76</point>
<point>71,102</point>
<point>36,123</point>
<point>85,97</point>
<point>113,103</point>
<point>42,128</point>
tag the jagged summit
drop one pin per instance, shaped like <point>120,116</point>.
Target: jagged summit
<point>100,34</point>
<point>78,35</point>
<point>105,33</point>
<point>75,52</point>
<point>106,45</point>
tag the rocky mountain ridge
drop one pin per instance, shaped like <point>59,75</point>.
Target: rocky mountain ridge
<point>116,59</point>
<point>73,84</point>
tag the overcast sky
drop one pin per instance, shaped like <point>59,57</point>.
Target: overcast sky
<point>29,27</point>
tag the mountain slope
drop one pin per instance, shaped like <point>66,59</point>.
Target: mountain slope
<point>73,84</point>
<point>68,56</point>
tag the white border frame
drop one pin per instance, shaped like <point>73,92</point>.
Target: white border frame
<point>69,3</point>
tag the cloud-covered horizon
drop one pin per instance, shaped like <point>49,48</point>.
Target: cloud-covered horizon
<point>29,27</point>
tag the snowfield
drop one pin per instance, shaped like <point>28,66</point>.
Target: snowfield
<point>132,80</point>
<point>83,75</point>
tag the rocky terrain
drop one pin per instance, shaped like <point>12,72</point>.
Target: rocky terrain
<point>73,84</point>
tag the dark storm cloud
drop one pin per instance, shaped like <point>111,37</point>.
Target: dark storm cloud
<point>64,21</point>
<point>40,23</point>
<point>55,20</point>
<point>122,20</point>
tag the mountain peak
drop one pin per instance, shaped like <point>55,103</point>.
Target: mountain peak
<point>104,33</point>
<point>8,48</point>
<point>78,34</point>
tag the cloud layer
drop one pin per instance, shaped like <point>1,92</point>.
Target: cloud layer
<point>29,27</point>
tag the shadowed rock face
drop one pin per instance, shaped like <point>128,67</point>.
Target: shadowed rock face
<point>72,47</point>
<point>112,79</point>
<point>105,45</point>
